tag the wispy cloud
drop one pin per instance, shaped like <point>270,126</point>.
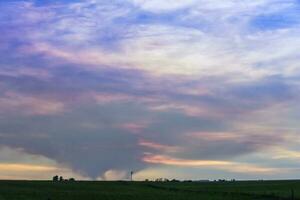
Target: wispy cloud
<point>218,164</point>
<point>32,105</point>
<point>160,147</point>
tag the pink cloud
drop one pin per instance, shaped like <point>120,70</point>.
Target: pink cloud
<point>134,127</point>
<point>160,147</point>
<point>216,164</point>
<point>262,140</point>
<point>91,59</point>
<point>103,98</point>
<point>106,97</point>
<point>32,105</point>
<point>166,160</point>
<point>216,136</point>
<point>188,109</point>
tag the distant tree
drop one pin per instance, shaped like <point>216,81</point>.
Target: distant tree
<point>146,180</point>
<point>55,178</point>
<point>174,180</point>
<point>61,178</point>
<point>72,179</point>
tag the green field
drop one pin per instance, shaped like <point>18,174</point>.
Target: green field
<point>84,190</point>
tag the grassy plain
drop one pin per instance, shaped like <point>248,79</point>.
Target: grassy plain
<point>97,190</point>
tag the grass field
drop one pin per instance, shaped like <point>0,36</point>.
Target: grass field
<point>84,190</point>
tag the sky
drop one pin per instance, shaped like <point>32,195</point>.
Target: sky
<point>191,89</point>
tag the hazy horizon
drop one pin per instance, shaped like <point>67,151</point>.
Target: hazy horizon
<point>194,89</point>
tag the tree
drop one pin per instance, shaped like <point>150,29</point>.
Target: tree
<point>61,178</point>
<point>55,178</point>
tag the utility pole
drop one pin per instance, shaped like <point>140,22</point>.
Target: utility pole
<point>131,176</point>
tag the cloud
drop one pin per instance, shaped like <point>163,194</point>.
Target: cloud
<point>32,105</point>
<point>17,164</point>
<point>162,6</point>
<point>134,127</point>
<point>160,159</point>
<point>147,47</point>
<point>25,71</point>
<point>160,147</point>
<point>234,137</point>
<point>71,142</point>
<point>23,167</point>
<point>282,153</point>
<point>114,175</point>
<point>224,165</point>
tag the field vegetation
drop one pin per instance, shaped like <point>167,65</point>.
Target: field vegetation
<point>122,190</point>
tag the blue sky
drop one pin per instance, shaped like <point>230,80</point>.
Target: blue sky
<point>194,89</point>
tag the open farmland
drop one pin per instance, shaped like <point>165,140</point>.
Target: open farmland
<point>92,190</point>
